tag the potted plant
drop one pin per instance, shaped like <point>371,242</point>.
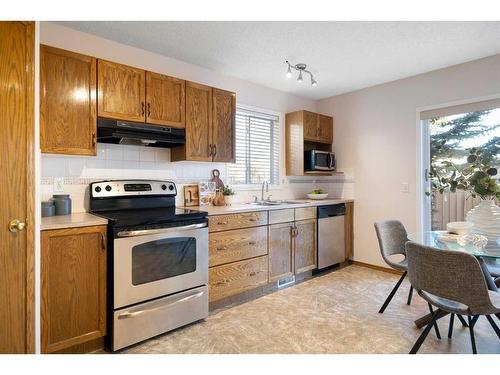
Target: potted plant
<point>228,193</point>
<point>478,178</point>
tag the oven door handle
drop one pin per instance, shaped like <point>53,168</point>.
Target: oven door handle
<point>127,315</point>
<point>135,233</point>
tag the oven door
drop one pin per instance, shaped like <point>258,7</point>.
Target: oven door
<point>154,263</point>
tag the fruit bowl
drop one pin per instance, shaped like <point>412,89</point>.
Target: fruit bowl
<point>317,196</point>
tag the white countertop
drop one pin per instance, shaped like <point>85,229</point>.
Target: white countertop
<point>78,219</point>
<point>245,207</point>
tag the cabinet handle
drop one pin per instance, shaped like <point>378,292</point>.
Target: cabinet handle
<point>221,248</point>
<point>215,150</point>
<point>221,223</point>
<point>103,242</point>
<point>253,273</point>
<point>210,149</point>
<point>93,140</point>
<point>251,243</point>
<point>142,108</point>
<point>149,109</point>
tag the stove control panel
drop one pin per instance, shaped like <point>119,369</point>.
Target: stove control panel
<point>118,188</point>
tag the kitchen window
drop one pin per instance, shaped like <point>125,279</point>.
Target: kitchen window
<point>257,148</point>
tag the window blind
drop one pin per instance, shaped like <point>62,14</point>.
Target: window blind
<point>257,148</point>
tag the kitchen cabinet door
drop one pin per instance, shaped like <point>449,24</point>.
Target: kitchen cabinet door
<point>68,112</point>
<point>165,97</point>
<point>305,245</point>
<point>73,287</point>
<point>198,122</point>
<point>280,251</point>
<point>121,92</point>
<point>310,123</point>
<point>325,129</point>
<point>349,230</point>
<point>223,125</point>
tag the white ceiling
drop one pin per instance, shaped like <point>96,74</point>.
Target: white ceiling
<point>343,56</point>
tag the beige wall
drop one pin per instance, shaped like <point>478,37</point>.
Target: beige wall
<point>376,135</point>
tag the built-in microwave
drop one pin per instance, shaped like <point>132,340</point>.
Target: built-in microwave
<point>316,160</point>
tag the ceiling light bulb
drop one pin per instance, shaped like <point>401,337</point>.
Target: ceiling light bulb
<point>289,72</point>
<point>313,82</point>
<point>299,78</point>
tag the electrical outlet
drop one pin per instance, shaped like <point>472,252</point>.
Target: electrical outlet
<point>405,187</point>
<point>58,184</point>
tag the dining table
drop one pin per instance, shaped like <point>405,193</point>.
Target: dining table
<point>486,255</point>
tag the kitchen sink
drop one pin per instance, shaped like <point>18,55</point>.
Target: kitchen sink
<point>276,202</point>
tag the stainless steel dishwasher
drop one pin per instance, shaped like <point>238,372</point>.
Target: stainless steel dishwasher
<point>331,241</point>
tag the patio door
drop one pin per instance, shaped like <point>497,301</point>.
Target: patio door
<point>448,134</point>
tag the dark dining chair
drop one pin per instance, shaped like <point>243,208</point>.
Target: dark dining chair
<point>453,282</point>
<point>392,238</point>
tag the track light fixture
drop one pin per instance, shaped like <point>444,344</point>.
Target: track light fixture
<point>300,68</point>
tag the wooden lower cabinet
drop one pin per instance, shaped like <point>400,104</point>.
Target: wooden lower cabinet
<point>349,230</point>
<point>305,245</point>
<point>233,245</point>
<point>234,278</point>
<point>280,251</point>
<point>73,287</point>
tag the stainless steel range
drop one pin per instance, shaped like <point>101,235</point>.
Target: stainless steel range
<point>157,259</point>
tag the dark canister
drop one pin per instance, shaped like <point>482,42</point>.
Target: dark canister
<point>48,209</point>
<point>62,202</point>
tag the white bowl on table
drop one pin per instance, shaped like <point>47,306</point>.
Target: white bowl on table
<point>317,196</point>
<point>459,227</point>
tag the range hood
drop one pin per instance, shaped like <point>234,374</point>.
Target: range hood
<point>134,133</point>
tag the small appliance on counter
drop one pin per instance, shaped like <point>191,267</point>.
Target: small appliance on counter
<point>157,259</point>
<point>319,161</point>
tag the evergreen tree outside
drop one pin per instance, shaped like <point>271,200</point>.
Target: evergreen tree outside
<point>451,137</point>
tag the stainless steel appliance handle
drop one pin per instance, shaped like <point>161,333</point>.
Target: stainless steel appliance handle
<point>127,315</point>
<point>135,233</point>
<point>330,155</point>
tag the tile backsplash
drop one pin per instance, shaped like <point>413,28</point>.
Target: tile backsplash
<point>138,162</point>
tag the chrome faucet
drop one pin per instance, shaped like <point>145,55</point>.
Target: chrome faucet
<point>266,185</point>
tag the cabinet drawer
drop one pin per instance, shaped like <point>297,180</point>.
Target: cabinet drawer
<point>305,213</point>
<point>235,245</point>
<point>235,278</point>
<point>235,221</point>
<point>281,216</point>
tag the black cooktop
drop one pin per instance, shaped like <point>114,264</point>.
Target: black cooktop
<point>152,216</point>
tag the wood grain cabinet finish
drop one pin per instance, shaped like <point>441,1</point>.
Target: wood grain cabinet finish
<point>281,216</point>
<point>349,230</point>
<point>234,278</point>
<point>68,109</point>
<point>223,124</point>
<point>235,245</point>
<point>281,263</point>
<point>198,145</point>
<point>325,129</point>
<point>305,245</point>
<point>235,221</point>
<point>73,287</point>
<point>304,213</point>
<point>310,122</point>
<point>165,98</point>
<point>121,92</point>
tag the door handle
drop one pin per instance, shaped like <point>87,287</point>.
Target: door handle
<point>16,225</point>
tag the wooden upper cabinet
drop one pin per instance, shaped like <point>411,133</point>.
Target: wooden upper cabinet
<point>165,97</point>
<point>121,92</point>
<point>305,245</point>
<point>310,123</point>
<point>73,287</point>
<point>280,251</point>
<point>223,125</point>
<point>67,102</point>
<point>198,122</point>
<point>325,129</point>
